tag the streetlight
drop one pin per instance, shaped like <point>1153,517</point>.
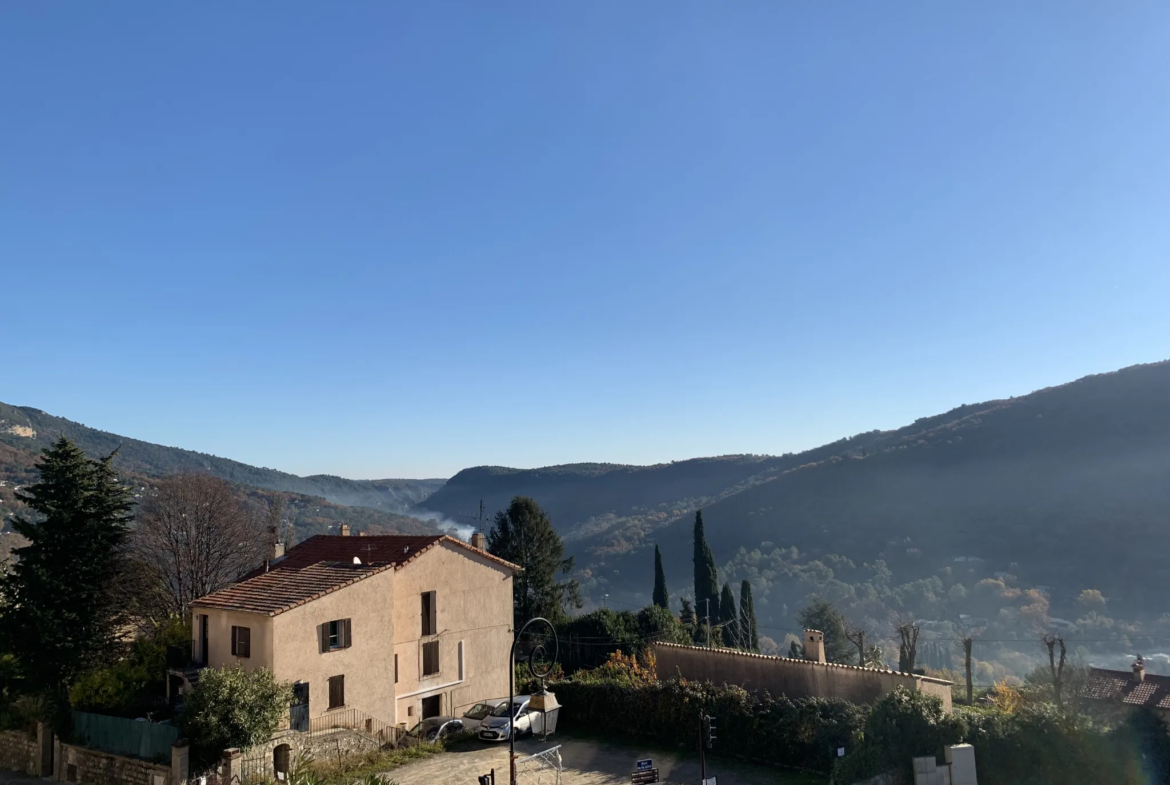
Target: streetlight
<point>537,651</point>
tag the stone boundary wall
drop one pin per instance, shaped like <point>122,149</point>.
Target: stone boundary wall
<point>793,678</point>
<point>19,752</point>
<point>83,766</point>
<point>322,746</point>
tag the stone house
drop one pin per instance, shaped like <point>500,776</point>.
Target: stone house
<point>1131,689</point>
<point>391,628</point>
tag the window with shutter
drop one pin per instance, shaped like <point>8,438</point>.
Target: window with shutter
<point>336,635</point>
<point>430,658</point>
<point>336,692</point>
<point>241,641</point>
<point>395,668</point>
<point>430,614</point>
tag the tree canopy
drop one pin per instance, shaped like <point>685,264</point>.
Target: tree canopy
<point>62,613</point>
<point>524,535</point>
<point>824,616</point>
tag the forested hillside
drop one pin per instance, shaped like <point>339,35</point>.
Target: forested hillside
<point>26,431</point>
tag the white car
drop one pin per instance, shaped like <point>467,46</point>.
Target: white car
<point>520,720</point>
<point>474,717</point>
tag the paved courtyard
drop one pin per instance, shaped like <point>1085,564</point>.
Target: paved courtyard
<point>585,763</point>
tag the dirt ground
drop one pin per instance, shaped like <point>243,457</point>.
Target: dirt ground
<point>585,762</point>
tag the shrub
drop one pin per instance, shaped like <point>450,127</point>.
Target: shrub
<point>231,707</point>
<point>907,724</point>
<point>133,683</point>
<point>801,733</point>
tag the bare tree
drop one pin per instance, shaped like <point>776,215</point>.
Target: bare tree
<point>855,634</point>
<point>194,536</point>
<point>968,641</point>
<point>1051,642</point>
<point>908,631</point>
<point>278,529</point>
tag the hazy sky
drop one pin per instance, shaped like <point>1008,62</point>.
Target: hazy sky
<point>398,239</point>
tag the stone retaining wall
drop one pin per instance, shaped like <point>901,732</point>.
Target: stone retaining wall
<point>19,752</point>
<point>83,766</point>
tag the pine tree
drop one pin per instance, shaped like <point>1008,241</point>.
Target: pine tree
<point>661,595</point>
<point>62,613</point>
<point>524,535</point>
<point>747,618</point>
<point>727,616</point>
<point>706,578</point>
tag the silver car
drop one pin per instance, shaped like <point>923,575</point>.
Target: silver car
<point>520,720</point>
<point>474,717</point>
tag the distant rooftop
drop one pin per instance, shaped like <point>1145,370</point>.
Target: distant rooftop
<point>1121,687</point>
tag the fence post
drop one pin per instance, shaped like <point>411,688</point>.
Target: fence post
<point>44,762</point>
<point>180,762</point>
<point>231,764</point>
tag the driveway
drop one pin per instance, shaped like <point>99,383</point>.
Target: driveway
<point>586,762</point>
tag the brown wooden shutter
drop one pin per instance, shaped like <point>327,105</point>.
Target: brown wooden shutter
<point>346,631</point>
<point>323,636</point>
<point>395,668</point>
<point>336,691</point>
<point>245,644</point>
<point>235,633</point>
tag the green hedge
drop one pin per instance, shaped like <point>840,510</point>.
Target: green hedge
<point>799,733</point>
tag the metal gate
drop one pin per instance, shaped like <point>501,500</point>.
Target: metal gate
<point>298,712</point>
<point>543,768</point>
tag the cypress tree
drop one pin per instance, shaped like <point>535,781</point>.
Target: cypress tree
<point>687,617</point>
<point>747,618</point>
<point>706,579</point>
<point>727,616</point>
<point>62,613</point>
<point>524,535</point>
<point>661,595</point>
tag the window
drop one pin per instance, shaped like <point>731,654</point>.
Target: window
<point>242,641</point>
<point>430,614</point>
<point>335,635</point>
<point>430,658</point>
<point>395,668</point>
<point>336,692</point>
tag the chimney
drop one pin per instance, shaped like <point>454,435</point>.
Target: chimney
<point>814,646</point>
<point>1139,669</point>
<point>344,530</point>
<point>477,541</point>
<point>275,551</point>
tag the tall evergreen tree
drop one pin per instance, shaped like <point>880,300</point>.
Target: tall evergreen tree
<point>706,579</point>
<point>661,595</point>
<point>524,535</point>
<point>727,616</point>
<point>62,612</point>
<point>749,633</point>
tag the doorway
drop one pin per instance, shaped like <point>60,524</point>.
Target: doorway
<point>432,706</point>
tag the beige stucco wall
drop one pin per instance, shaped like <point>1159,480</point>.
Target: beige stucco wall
<point>794,678</point>
<point>474,599</point>
<point>219,638</point>
<point>366,664</point>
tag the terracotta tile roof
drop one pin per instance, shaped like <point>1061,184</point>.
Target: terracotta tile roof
<point>323,564</point>
<point>1120,687</point>
<point>281,590</point>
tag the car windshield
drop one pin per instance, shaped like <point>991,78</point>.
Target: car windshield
<point>502,709</point>
<point>478,711</point>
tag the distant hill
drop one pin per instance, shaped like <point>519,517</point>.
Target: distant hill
<point>1069,486</point>
<point>24,431</point>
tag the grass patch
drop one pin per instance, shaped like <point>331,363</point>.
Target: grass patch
<point>331,771</point>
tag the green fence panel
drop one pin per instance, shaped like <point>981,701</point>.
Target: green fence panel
<point>120,736</point>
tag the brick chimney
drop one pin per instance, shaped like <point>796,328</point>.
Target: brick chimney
<point>344,530</point>
<point>814,646</point>
<point>1139,669</point>
<point>478,542</point>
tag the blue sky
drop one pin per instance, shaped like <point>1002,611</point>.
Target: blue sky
<point>398,239</point>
